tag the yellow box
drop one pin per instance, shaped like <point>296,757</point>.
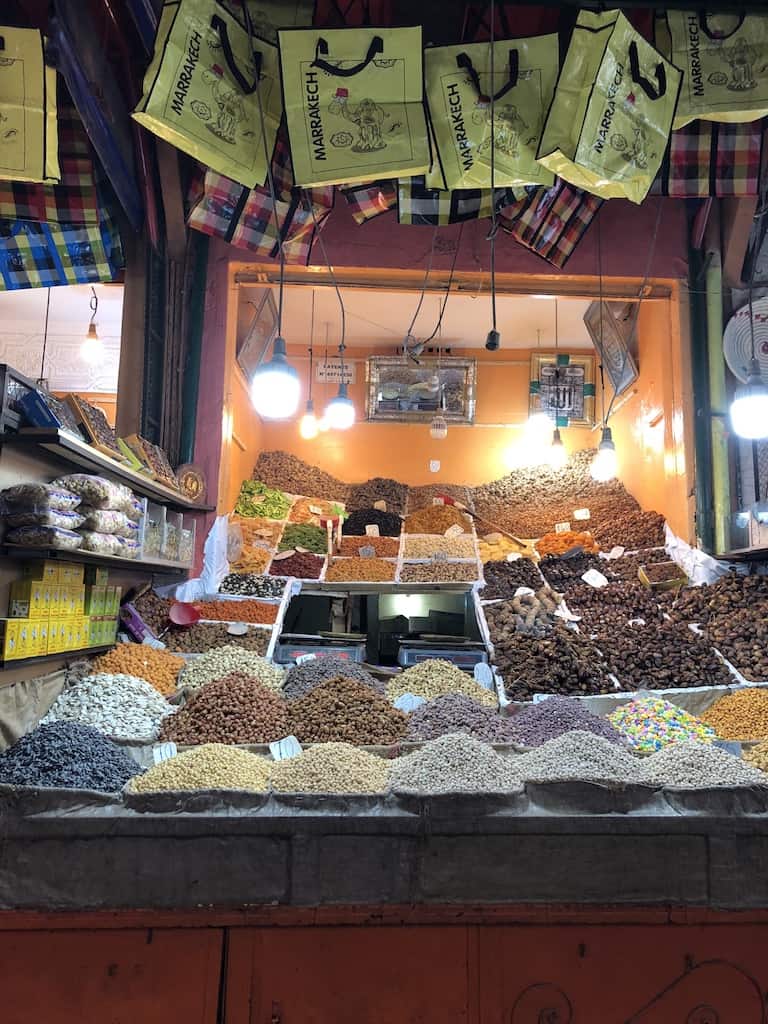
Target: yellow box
<point>22,644</point>
<point>33,639</point>
<point>72,573</point>
<point>53,636</point>
<point>42,642</point>
<point>43,571</point>
<point>78,599</point>
<point>53,600</point>
<point>26,600</point>
<point>10,633</point>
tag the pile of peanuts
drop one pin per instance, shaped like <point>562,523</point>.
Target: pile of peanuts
<point>211,766</point>
<point>369,570</point>
<point>235,709</point>
<point>437,519</point>
<point>741,715</point>
<point>237,611</point>
<point>157,667</point>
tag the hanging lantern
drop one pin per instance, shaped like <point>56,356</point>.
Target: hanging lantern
<point>438,428</point>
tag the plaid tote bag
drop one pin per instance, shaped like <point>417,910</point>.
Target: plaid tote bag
<point>707,158</point>
<point>551,222</point>
<point>367,200</point>
<point>419,205</point>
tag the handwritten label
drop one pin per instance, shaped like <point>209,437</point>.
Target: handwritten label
<point>454,531</point>
<point>616,552</point>
<point>302,551</point>
<point>315,510</point>
<point>163,752</point>
<point>237,628</point>
<point>440,556</point>
<point>372,530</point>
<point>438,501</point>
<point>367,552</point>
<point>513,556</point>
<point>409,702</point>
<point>581,514</point>
<point>264,533</point>
<point>283,554</point>
<point>562,527</point>
<point>595,579</point>
<point>287,747</point>
<point>381,506</point>
<point>524,592</point>
<point>303,658</point>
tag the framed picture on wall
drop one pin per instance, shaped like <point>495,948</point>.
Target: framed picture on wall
<point>260,332</point>
<point>400,392</point>
<point>563,386</point>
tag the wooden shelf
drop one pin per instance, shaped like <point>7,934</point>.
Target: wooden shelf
<point>76,452</point>
<point>19,662</point>
<point>92,558</point>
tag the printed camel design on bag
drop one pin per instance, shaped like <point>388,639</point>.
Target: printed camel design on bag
<point>741,57</point>
<point>231,109</point>
<point>508,127</point>
<point>367,116</point>
<point>636,153</point>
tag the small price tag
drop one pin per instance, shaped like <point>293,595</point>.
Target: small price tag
<point>287,747</point>
<point>438,501</point>
<point>513,556</point>
<point>483,674</point>
<point>264,533</point>
<point>409,702</point>
<point>163,752</point>
<point>150,641</point>
<point>616,552</point>
<point>302,551</point>
<point>367,551</point>
<point>283,554</point>
<point>454,531</point>
<point>315,510</point>
<point>372,530</point>
<point>303,658</point>
<point>729,746</point>
<point>524,592</point>
<point>562,527</point>
<point>637,622</point>
<point>381,506</point>
<point>581,514</point>
<point>237,628</point>
<point>439,556</point>
<point>595,578</point>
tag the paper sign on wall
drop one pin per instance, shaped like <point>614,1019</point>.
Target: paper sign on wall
<point>330,372</point>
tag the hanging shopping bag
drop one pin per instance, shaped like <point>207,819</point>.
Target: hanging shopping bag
<point>610,120</point>
<point>420,205</point>
<point>353,103</point>
<point>708,159</point>
<point>203,88</point>
<point>369,199</point>
<point>551,222</point>
<point>267,16</point>
<point>724,58</point>
<point>458,86</point>
<point>28,135</point>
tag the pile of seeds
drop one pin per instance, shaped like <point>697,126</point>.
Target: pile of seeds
<point>379,488</point>
<point>424,496</point>
<point>204,636</point>
<point>455,763</point>
<point>436,677</point>
<point>455,712</point>
<point>502,579</point>
<point>301,565</point>
<point>67,755</point>
<point>427,545</point>
<point>302,679</point>
<point>122,707</point>
<point>537,723</point>
<point>741,715</point>
<point>159,668</point>
<point>279,469</point>
<point>650,723</point>
<point>153,610</point>
<point>249,584</point>
<point>238,611</point>
<point>692,765</point>
<point>437,519</point>
<point>223,661</point>
<point>439,572</point>
<point>344,711</point>
<point>389,524</point>
<point>304,535</point>
<point>235,709</point>
<point>384,547</point>
<point>211,766</point>
<point>331,768</point>
<point>256,499</point>
<point>579,756</point>
<point>561,662</point>
<point>357,570</point>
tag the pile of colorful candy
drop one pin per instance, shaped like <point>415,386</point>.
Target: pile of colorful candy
<point>650,723</point>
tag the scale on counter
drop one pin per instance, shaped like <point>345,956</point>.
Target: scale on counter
<point>291,646</point>
<point>464,654</point>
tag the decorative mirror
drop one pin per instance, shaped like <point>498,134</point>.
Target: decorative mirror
<point>408,393</point>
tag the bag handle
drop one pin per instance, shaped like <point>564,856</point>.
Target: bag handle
<point>377,46</point>
<point>219,25</point>
<point>639,79</point>
<point>718,37</point>
<point>464,61</point>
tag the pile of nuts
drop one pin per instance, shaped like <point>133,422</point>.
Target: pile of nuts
<point>630,529</point>
<point>579,755</point>
<point>437,519</point>
<point>302,511</point>
<point>204,636</point>
<point>369,570</point>
<point>561,662</point>
<point>455,712</point>
<point>251,585</point>
<point>238,611</point>
<point>559,543</point>
<point>331,768</point>
<point>626,567</point>
<point>153,610</point>
<point>692,765</point>
<point>223,661</point>
<point>602,607</point>
<point>301,564</point>
<point>279,469</point>
<point>211,766</point>
<point>741,715</point>
<point>424,496</point>
<point>342,710</point>
<point>455,763</point>
<point>526,613</point>
<point>427,545</point>
<point>389,524</point>
<point>122,707</point>
<point>384,547</point>
<point>757,756</point>
<point>159,668</point>
<point>379,488</point>
<point>436,677</point>
<point>439,572</point>
<point>729,594</point>
<point>235,709</point>
<point>502,579</point>
<point>563,573</point>
<point>742,638</point>
<point>537,723</point>
<point>302,679</point>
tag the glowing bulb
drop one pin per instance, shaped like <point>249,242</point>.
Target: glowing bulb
<point>340,411</point>
<point>538,428</point>
<point>749,409</point>
<point>275,387</point>
<point>558,456</point>
<point>92,350</point>
<point>603,466</point>
<point>438,428</point>
<point>309,426</point>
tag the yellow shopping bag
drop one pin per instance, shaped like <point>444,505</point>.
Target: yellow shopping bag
<point>611,117</point>
<point>28,124</point>
<point>724,58</point>
<point>202,90</point>
<point>458,84</point>
<point>354,104</point>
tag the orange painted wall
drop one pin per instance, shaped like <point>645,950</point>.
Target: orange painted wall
<point>243,436</point>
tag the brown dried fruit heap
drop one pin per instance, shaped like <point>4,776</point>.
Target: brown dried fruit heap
<point>235,709</point>
<point>345,711</point>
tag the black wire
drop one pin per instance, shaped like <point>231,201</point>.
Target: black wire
<point>45,334</point>
<point>272,193</point>
<point>448,289</point>
<point>424,284</point>
<point>324,251</point>
<point>311,342</point>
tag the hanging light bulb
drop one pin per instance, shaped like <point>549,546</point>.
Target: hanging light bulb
<point>558,456</point>
<point>275,387</point>
<point>340,411</point>
<point>749,409</point>
<point>603,466</point>
<point>538,428</point>
<point>309,425</point>
<point>92,349</point>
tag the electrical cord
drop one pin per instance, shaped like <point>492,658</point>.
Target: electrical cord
<point>439,323</point>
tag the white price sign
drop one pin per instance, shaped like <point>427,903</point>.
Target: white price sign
<point>562,527</point>
<point>330,372</point>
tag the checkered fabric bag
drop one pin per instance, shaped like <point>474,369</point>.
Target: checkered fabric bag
<point>417,204</point>
<point>552,221</point>
<point>369,199</point>
<point>707,158</point>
